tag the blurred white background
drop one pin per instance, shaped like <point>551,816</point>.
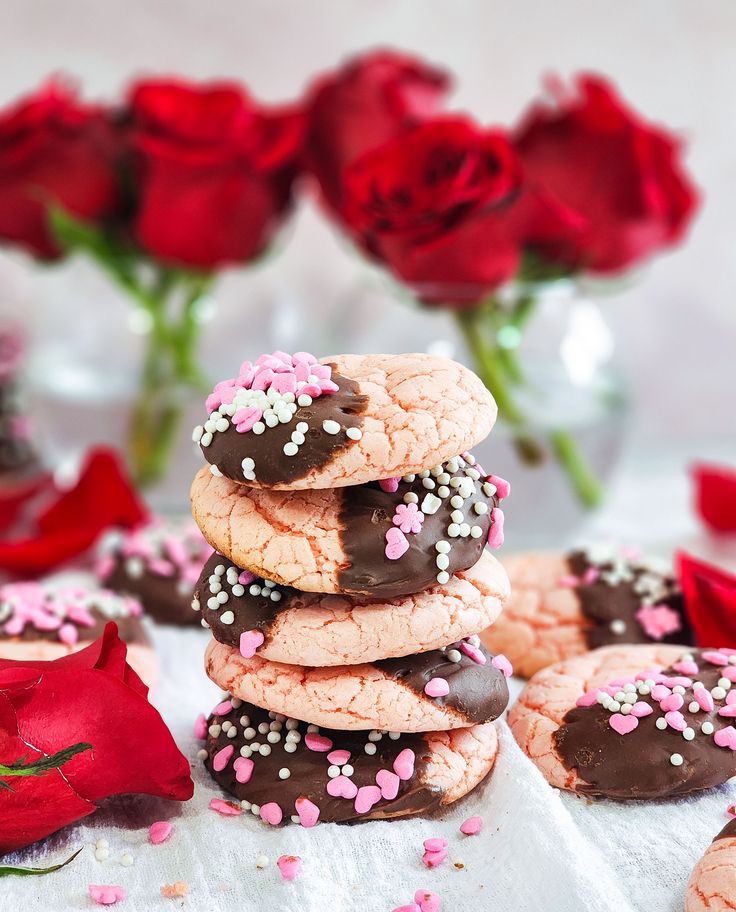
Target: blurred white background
<point>675,60</point>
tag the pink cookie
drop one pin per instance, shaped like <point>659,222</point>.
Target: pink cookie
<point>364,540</point>
<point>367,775</point>
<point>631,721</point>
<point>389,694</point>
<point>158,564</point>
<point>302,628</point>
<point>712,885</point>
<point>562,605</point>
<point>289,422</point>
<point>52,617</point>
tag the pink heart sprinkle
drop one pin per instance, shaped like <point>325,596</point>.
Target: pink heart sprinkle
<point>588,699</point>
<point>226,808</point>
<point>472,826</point>
<point>730,697</point>
<point>675,720</point>
<point>427,901</point>
<point>434,844</point>
<point>404,764</point>
<point>243,767</point>
<point>250,640</point>
<point>317,742</point>
<point>503,665</point>
<point>436,687</point>
<point>339,757</point>
<point>704,698</point>
<point>641,709</point>
<point>686,667</point>
<point>680,681</point>
<point>472,652</point>
<point>200,727</point>
<point>659,692</point>
<point>716,658</point>
<point>289,865</point>
<point>342,787</point>
<point>729,672</point>
<point>434,859</point>
<point>308,812</point>
<point>396,543</point>
<point>503,487</point>
<point>68,634</point>
<point>728,712</point>
<point>672,702</point>
<point>726,737</point>
<point>159,832</point>
<point>389,485</point>
<point>495,533</point>
<point>367,796</point>
<point>222,709</point>
<point>271,813</point>
<point>106,895</point>
<point>388,783</point>
<point>623,724</point>
<point>222,758</point>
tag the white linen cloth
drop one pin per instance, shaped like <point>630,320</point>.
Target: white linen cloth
<point>539,849</point>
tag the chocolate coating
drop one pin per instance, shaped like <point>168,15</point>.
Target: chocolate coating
<point>251,611</point>
<point>130,628</point>
<point>308,770</point>
<point>366,515</point>
<point>728,832</point>
<point>17,454</point>
<point>604,604</point>
<point>478,692</point>
<point>638,765</point>
<point>162,597</point>
<point>272,466</point>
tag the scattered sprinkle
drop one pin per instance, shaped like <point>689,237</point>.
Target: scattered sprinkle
<point>472,826</point>
<point>160,831</point>
<point>289,865</point>
<point>106,895</point>
<point>176,890</point>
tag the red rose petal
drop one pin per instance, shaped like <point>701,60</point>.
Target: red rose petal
<point>710,601</point>
<point>715,496</point>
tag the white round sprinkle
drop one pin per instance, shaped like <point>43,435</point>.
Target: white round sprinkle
<point>304,400</point>
<point>454,655</point>
<point>202,754</point>
<point>215,471</point>
<point>126,859</point>
<point>354,433</point>
<point>264,750</point>
<point>480,508</point>
<point>222,424</point>
<point>443,491</point>
<point>273,737</point>
<point>693,707</point>
<point>197,433</point>
<point>443,577</point>
<point>442,561</point>
<point>330,427</point>
<point>688,733</point>
<point>289,747</point>
<point>259,427</point>
<point>394,736</point>
<point>707,728</point>
<point>290,449</point>
<point>102,854</point>
<point>369,748</point>
<point>250,732</point>
<point>333,771</point>
<point>347,770</point>
<point>411,497</point>
<point>428,483</point>
<point>718,693</point>
<point>206,438</point>
<point>443,547</point>
<point>677,759</point>
<point>453,530</point>
<point>476,532</point>
<point>261,860</point>
<point>298,438</point>
<point>661,723</point>
<point>284,772</point>
<point>457,516</point>
<point>617,626</point>
<point>302,427</point>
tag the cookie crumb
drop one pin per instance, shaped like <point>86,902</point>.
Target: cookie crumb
<point>176,890</point>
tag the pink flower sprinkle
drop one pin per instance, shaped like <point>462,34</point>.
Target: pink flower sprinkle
<point>437,687</point>
<point>434,844</point>
<point>200,727</point>
<point>106,895</point>
<point>658,621</point>
<point>495,533</point>
<point>289,865</point>
<point>226,808</point>
<point>317,742</point>
<point>503,665</point>
<point>389,485</point>
<point>159,832</point>
<point>427,901</point>
<point>271,813</point>
<point>434,859</point>
<point>472,826</point>
<point>408,518</point>
<point>307,811</point>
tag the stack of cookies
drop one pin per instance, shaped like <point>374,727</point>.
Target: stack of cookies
<point>349,581</point>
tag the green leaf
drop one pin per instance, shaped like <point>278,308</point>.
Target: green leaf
<point>43,764</point>
<point>8,871</point>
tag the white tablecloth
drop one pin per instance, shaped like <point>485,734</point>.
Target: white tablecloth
<point>539,849</point>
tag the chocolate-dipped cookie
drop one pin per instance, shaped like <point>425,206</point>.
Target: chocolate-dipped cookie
<point>159,564</point>
<point>563,605</point>
<point>282,624</point>
<point>383,539</point>
<point>280,769</point>
<point>454,687</point>
<point>634,722</point>
<point>712,885</point>
<point>291,422</point>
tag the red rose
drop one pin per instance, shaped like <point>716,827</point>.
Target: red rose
<point>213,172</point>
<point>715,496</point>
<point>443,207</point>
<point>368,101</point>
<point>90,696</point>
<point>710,601</point>
<point>620,179</point>
<point>54,150</point>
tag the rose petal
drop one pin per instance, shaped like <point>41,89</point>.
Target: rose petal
<point>715,496</point>
<point>710,600</point>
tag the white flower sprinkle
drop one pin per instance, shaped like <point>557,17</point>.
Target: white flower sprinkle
<point>430,504</point>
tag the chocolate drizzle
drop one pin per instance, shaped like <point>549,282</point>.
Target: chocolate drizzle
<point>366,515</point>
<point>253,610</point>
<point>272,466</point>
<point>308,769</point>
<point>478,692</point>
<point>728,832</point>
<point>610,608</point>
<point>638,765</point>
